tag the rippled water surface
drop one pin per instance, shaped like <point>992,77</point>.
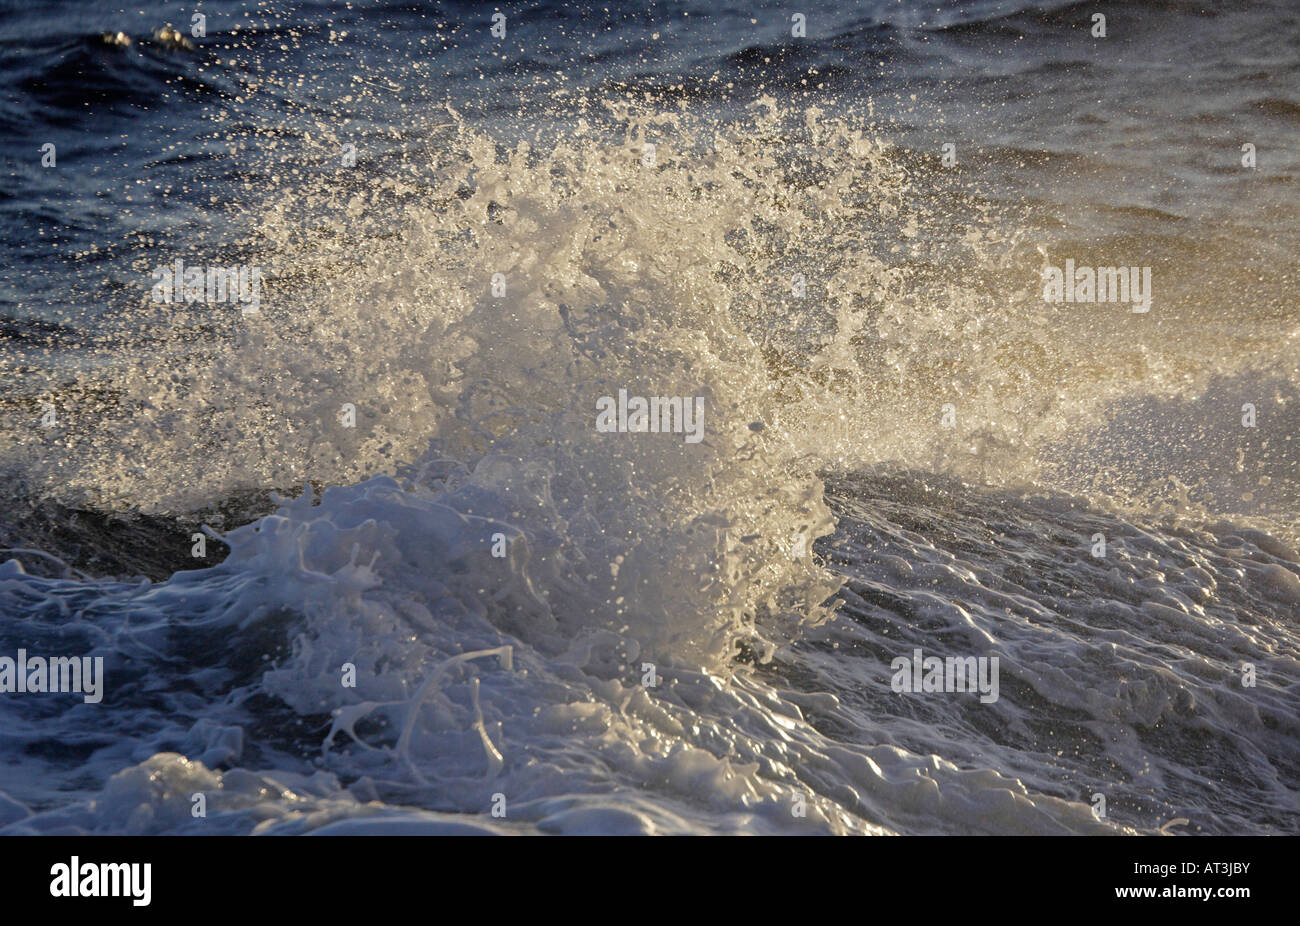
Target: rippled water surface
<point>431,595</point>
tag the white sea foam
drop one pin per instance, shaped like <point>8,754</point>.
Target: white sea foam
<point>518,680</point>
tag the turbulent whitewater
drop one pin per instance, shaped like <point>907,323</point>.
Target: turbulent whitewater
<point>362,560</point>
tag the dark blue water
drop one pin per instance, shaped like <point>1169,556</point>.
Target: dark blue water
<point>919,429</point>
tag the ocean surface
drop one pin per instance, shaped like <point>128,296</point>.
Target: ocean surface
<point>357,557</point>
